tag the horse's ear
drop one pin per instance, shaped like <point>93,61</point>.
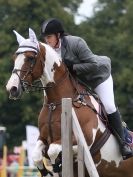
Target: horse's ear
<point>19,37</point>
<point>32,36</point>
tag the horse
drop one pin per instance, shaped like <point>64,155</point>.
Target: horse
<point>35,60</point>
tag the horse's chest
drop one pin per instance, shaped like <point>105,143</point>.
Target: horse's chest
<point>50,122</point>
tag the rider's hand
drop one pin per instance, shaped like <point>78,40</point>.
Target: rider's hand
<point>69,64</point>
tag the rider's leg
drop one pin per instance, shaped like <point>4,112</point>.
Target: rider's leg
<point>106,95</point>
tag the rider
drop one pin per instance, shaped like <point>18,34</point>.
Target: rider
<point>89,68</point>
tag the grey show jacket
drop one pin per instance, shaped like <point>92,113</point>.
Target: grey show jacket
<point>90,69</point>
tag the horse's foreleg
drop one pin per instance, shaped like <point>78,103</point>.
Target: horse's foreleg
<point>38,159</point>
<point>54,153</point>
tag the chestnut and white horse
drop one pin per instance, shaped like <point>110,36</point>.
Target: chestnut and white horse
<point>35,60</point>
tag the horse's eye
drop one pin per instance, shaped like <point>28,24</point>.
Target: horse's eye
<point>31,59</point>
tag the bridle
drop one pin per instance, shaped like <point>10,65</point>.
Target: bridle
<point>26,86</point>
<point>37,86</point>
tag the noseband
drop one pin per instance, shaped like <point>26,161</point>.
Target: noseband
<point>26,86</point>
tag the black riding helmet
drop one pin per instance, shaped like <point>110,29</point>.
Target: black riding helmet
<point>52,26</point>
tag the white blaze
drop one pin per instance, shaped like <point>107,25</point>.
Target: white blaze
<point>14,79</point>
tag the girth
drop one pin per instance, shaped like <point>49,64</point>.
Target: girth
<point>51,107</point>
<point>100,142</point>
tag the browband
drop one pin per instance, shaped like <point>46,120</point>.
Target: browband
<point>24,46</point>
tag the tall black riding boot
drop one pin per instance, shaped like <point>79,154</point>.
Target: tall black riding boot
<point>117,129</point>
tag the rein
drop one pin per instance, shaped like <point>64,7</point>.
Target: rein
<point>26,86</point>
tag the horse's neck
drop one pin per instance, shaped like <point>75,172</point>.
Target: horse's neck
<point>51,58</point>
<point>55,75</point>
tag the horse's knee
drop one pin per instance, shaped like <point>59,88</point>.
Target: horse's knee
<point>37,156</point>
<point>53,151</point>
<point>38,161</point>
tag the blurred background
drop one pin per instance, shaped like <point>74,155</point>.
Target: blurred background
<point>107,27</point>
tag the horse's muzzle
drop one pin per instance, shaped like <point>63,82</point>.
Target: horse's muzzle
<point>15,93</point>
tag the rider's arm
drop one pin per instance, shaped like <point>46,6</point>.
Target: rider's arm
<point>87,60</point>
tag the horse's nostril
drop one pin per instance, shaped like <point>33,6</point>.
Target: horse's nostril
<point>14,91</point>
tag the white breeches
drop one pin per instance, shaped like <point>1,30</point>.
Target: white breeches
<point>106,94</point>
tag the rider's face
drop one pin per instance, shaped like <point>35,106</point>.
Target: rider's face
<point>52,40</point>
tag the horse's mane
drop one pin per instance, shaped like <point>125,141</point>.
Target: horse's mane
<point>51,56</point>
